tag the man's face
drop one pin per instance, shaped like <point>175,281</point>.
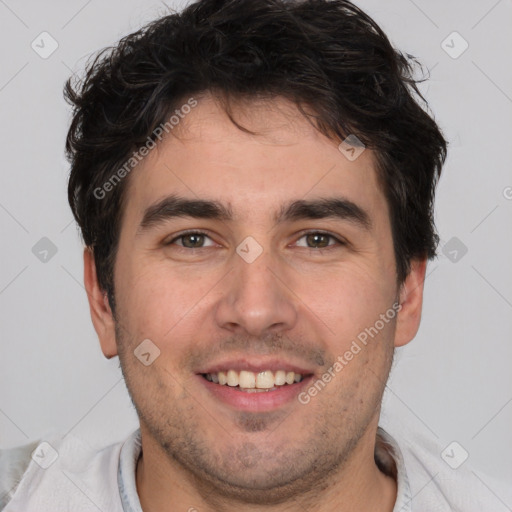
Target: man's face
<point>209,304</point>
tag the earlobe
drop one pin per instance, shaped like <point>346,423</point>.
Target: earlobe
<point>411,301</point>
<point>101,314</point>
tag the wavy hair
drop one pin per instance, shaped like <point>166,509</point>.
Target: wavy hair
<point>328,57</point>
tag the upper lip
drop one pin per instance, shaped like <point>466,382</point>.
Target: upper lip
<point>255,365</point>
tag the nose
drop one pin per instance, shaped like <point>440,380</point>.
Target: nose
<point>256,299</point>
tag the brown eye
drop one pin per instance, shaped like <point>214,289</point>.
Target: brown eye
<point>319,240</point>
<point>192,240</point>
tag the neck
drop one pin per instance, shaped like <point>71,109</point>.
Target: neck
<point>364,482</point>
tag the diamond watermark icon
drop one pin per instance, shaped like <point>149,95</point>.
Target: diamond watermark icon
<point>454,45</point>
<point>249,249</point>
<point>44,45</point>
<point>146,352</point>
<point>44,250</point>
<point>352,147</point>
<point>454,249</point>
<point>454,455</point>
<point>44,455</point>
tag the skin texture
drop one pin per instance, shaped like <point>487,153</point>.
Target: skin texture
<point>301,303</point>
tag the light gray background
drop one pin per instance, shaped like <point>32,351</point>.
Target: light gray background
<point>454,381</point>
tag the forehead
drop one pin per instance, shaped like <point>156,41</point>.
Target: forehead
<point>207,156</point>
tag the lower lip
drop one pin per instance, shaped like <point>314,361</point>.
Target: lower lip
<point>258,401</point>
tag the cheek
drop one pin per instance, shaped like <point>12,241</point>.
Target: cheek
<point>157,302</point>
<point>357,336</point>
<point>353,298</point>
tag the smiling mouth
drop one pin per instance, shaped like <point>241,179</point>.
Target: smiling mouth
<point>252,382</point>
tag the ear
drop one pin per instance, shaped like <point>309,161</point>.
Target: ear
<point>411,300</point>
<point>101,314</point>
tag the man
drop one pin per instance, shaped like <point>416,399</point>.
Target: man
<point>254,181</point>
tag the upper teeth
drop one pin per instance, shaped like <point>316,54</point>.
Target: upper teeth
<point>262,380</point>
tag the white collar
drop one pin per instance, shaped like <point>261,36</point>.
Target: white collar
<point>131,449</point>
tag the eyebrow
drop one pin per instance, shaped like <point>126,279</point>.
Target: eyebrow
<point>323,208</point>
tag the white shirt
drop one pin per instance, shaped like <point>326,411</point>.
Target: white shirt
<point>67,475</point>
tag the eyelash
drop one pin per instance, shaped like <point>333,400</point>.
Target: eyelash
<point>302,235</point>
